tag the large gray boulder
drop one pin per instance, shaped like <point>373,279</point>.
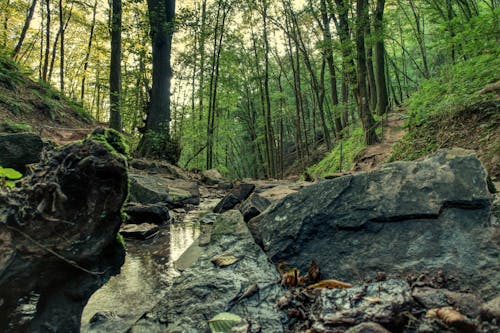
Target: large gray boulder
<point>403,218</point>
<point>151,189</point>
<point>223,270</point>
<point>19,149</point>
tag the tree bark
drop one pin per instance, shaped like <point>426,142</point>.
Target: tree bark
<point>367,120</point>
<point>115,121</point>
<point>47,43</point>
<point>89,49</point>
<point>25,29</point>
<point>156,138</point>
<point>380,72</point>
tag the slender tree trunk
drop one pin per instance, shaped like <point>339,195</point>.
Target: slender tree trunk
<point>62,29</point>
<point>26,26</point>
<point>327,38</point>
<point>380,72</point>
<point>115,121</point>
<point>364,111</point>
<point>268,118</point>
<point>47,43</point>
<point>369,68</point>
<point>89,49</point>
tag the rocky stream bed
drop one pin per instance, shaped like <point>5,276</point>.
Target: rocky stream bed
<point>409,247</point>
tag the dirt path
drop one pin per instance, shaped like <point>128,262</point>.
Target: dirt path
<point>375,155</point>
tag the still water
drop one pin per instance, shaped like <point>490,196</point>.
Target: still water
<point>146,274</point>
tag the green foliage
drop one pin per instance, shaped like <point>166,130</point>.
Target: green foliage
<point>7,175</point>
<point>120,240</point>
<point>114,141</point>
<point>454,88</point>
<point>331,163</point>
<point>10,73</point>
<point>223,322</point>
<point>12,127</point>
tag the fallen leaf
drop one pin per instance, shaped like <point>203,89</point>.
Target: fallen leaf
<point>372,299</point>
<point>330,284</point>
<point>223,322</point>
<point>223,260</point>
<point>452,317</point>
<point>313,273</point>
<point>291,278</point>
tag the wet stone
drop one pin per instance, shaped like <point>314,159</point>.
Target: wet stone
<point>139,231</point>
<point>379,302</point>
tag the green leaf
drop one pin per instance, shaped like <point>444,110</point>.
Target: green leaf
<point>223,322</point>
<point>10,173</point>
<point>10,184</point>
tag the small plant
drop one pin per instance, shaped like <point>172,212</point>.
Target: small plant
<point>7,175</point>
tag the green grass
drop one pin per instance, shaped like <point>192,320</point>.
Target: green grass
<point>454,89</point>
<point>331,162</point>
<point>441,98</point>
<point>12,127</point>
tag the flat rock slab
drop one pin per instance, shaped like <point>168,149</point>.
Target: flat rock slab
<point>380,302</point>
<point>153,213</point>
<point>140,231</point>
<point>405,217</point>
<point>207,287</point>
<point>150,189</point>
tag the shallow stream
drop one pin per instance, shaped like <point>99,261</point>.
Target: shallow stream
<point>147,273</point>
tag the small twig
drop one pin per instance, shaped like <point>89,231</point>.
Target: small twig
<point>71,262</point>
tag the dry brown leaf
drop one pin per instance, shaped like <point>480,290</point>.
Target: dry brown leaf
<point>449,315</point>
<point>223,260</point>
<point>452,317</point>
<point>330,284</point>
<point>372,299</point>
<point>291,278</point>
<point>313,273</point>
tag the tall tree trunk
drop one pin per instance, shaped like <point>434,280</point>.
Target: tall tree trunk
<point>62,28</point>
<point>364,111</point>
<point>380,72</point>
<point>155,142</point>
<point>47,42</point>
<point>115,121</point>
<point>369,68</point>
<point>214,79</point>
<point>89,49</point>
<point>327,38</point>
<point>268,118</point>
<point>26,26</point>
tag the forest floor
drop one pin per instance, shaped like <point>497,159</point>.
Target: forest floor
<point>375,155</point>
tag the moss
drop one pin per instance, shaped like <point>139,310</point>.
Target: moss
<point>120,240</point>
<point>111,139</point>
<point>12,127</point>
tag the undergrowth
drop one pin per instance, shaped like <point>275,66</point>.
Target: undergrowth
<point>441,99</point>
<point>331,163</point>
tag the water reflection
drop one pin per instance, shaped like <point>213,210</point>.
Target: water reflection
<point>144,277</point>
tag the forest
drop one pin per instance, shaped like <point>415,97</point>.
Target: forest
<point>250,166</point>
<point>257,88</point>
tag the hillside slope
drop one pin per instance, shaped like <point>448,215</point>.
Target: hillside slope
<point>29,105</point>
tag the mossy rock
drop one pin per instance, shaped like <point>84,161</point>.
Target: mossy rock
<point>111,139</point>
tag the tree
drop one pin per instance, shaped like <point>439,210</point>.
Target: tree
<point>156,138</point>
<point>115,120</point>
<point>380,79</point>
<point>26,25</point>
<point>364,110</point>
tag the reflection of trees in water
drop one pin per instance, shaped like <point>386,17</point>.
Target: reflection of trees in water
<point>182,236</point>
<point>147,270</point>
